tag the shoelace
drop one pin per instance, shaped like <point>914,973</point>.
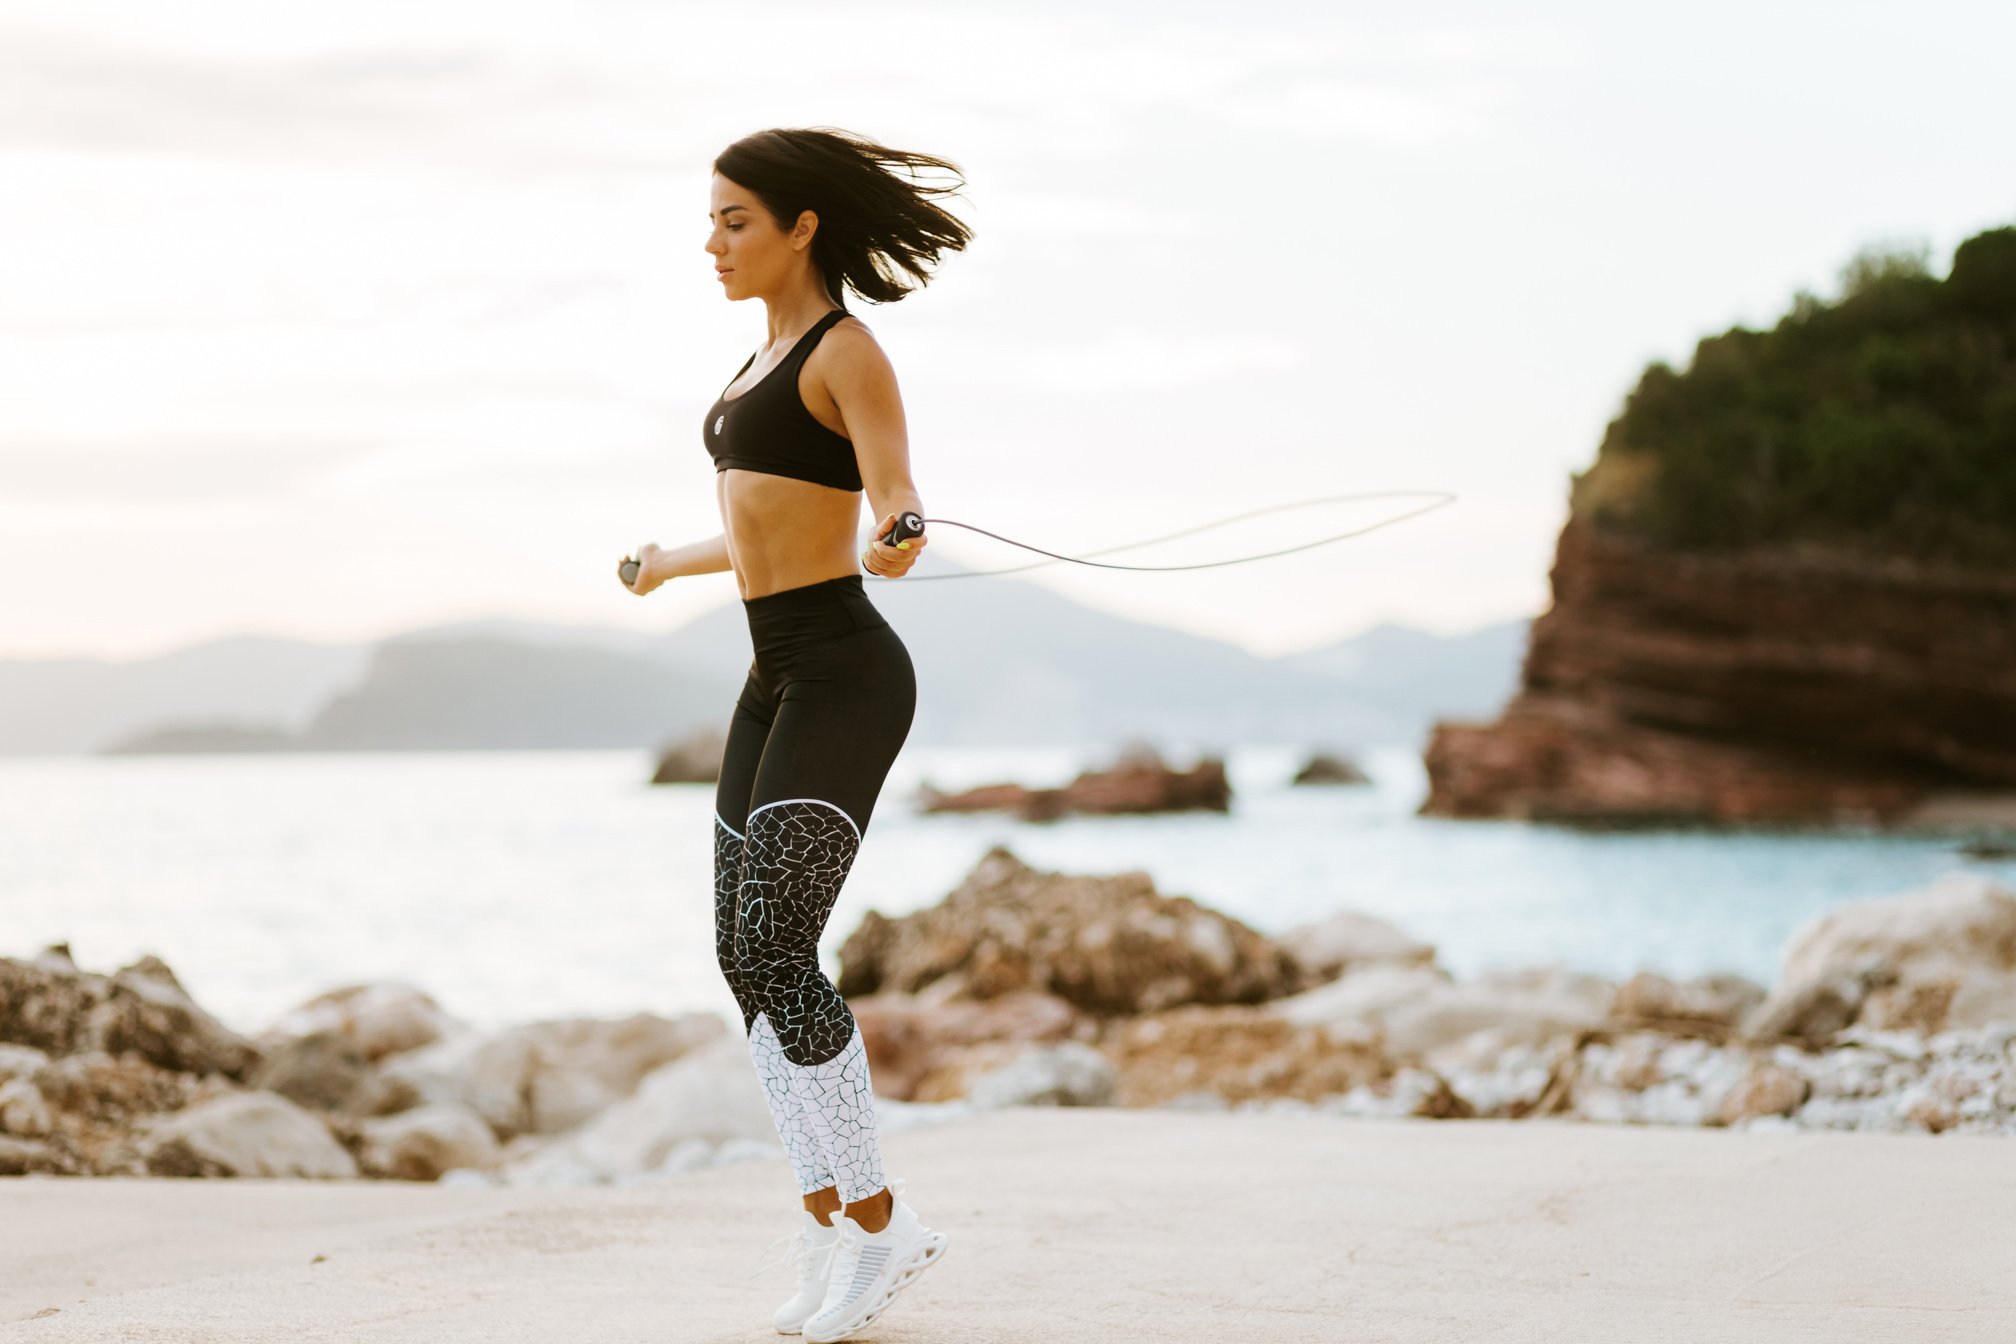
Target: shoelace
<point>846,1258</point>
<point>800,1248</point>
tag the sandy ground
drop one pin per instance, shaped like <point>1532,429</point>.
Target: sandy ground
<point>1091,1225</point>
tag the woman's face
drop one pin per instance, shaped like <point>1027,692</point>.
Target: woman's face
<point>751,254</point>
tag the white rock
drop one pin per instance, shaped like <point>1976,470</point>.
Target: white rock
<point>548,1077</point>
<point>376,1019</point>
<point>1351,940</point>
<point>710,1094</point>
<point>251,1134</point>
<point>22,1109</point>
<point>19,1061</point>
<point>1368,993</point>
<point>426,1142</point>
<point>1068,1073</point>
<point>1951,937</point>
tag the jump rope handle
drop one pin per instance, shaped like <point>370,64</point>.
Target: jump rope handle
<point>907,525</point>
<point>628,571</point>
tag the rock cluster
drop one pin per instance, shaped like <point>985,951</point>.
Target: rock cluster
<point>1105,945</point>
<point>1026,987</point>
<point>1892,1013</point>
<point>123,1074</point>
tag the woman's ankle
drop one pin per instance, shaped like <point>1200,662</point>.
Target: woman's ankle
<point>874,1212</point>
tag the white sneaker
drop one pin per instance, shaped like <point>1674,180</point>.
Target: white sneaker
<point>811,1249</point>
<point>870,1268</point>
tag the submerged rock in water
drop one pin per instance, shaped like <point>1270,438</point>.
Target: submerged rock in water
<point>1326,768</point>
<point>693,759</point>
<point>1138,781</point>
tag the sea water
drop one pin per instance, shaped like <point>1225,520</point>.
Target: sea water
<point>528,884</point>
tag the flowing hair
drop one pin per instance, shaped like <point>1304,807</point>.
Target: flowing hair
<point>871,222</point>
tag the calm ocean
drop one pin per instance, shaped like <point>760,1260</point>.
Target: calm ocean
<point>519,885</point>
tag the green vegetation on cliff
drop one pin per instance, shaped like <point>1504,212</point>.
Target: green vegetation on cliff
<point>1883,423</point>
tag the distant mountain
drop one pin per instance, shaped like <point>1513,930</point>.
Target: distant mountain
<point>1420,676</point>
<point>69,705</point>
<point>1017,664</point>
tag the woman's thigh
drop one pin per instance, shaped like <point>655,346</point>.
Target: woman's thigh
<point>842,715</point>
<point>748,732</point>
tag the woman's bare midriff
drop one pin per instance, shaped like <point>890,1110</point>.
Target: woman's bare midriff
<point>785,533</point>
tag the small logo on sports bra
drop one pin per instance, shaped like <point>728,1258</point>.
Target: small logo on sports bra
<point>718,420</point>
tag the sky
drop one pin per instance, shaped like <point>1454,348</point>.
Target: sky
<point>333,321</point>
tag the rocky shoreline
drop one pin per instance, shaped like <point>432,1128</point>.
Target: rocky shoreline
<point>1028,987</point>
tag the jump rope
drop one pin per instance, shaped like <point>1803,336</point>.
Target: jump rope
<point>908,525</point>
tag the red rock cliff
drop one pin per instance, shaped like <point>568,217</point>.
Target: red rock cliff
<point>1757,687</point>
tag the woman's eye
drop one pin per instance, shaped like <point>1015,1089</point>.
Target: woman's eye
<point>734,228</point>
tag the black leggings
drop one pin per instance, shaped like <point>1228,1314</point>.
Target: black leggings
<point>825,708</point>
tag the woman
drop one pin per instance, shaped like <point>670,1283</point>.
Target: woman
<point>809,422</point>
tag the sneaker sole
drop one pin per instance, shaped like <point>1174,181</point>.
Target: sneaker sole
<point>929,1251</point>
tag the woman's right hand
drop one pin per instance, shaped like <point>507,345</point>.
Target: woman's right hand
<point>648,573</point>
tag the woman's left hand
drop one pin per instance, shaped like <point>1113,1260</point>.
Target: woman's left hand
<point>891,562</point>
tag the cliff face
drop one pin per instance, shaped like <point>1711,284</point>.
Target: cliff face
<point>1743,686</point>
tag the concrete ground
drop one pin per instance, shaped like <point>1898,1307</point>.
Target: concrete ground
<point>1090,1225</point>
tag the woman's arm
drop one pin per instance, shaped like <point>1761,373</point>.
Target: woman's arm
<point>863,385</point>
<point>700,557</point>
<point>708,557</point>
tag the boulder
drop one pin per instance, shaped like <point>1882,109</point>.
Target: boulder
<point>1940,957</point>
<point>1418,1009</point>
<point>373,1019</point>
<point>693,759</point>
<point>421,1144</point>
<point>323,1071</point>
<point>1325,768</point>
<point>1767,1089</point>
<point>1350,940</point>
<point>546,1077</point>
<point>1236,1054</point>
<point>710,1094</point>
<point>244,1134</point>
<point>1105,945</point>
<point>50,1005</point>
<point>913,1037</point>
<point>23,1109</point>
<point>1068,1073</point>
<point>1709,1001</point>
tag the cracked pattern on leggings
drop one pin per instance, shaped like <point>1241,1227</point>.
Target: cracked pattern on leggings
<point>800,1136</point>
<point>840,1100</point>
<point>727,891</point>
<point>795,856</point>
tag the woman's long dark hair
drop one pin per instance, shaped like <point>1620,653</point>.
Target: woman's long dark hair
<point>870,221</point>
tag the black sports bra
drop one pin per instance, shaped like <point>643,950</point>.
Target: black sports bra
<point>768,429</point>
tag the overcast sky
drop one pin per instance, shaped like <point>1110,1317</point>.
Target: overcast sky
<point>328,321</point>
